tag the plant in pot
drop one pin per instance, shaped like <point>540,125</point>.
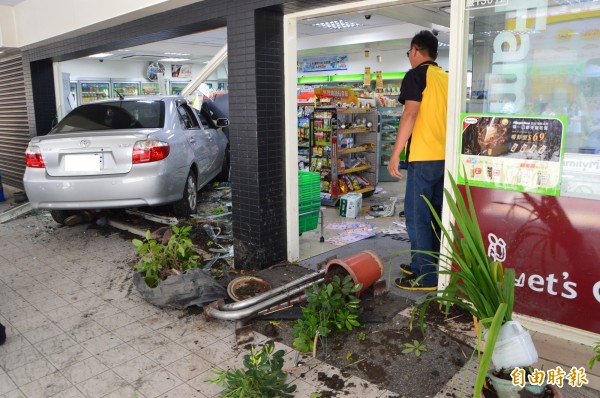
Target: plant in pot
<point>170,274</point>
<point>481,286</point>
<point>332,306</point>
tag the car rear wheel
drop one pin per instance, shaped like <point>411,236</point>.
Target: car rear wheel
<point>187,204</point>
<point>60,215</point>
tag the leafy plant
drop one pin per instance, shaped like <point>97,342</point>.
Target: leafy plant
<point>477,284</point>
<point>596,357</point>
<point>416,347</point>
<point>362,336</point>
<point>330,306</point>
<point>263,377</point>
<point>158,261</point>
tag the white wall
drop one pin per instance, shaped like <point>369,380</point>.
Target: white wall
<point>8,30</point>
<point>136,70</point>
<point>37,20</point>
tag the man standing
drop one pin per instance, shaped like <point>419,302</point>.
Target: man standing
<point>424,94</point>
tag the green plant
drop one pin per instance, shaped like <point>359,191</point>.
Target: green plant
<point>362,336</point>
<point>263,377</point>
<point>330,306</point>
<point>159,261</point>
<point>596,357</point>
<point>477,284</point>
<point>416,347</point>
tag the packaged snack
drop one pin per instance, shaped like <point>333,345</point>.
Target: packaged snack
<point>342,185</point>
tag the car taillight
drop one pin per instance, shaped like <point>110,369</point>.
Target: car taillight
<point>34,158</point>
<point>149,151</point>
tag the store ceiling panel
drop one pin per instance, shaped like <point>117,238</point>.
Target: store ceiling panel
<point>385,28</point>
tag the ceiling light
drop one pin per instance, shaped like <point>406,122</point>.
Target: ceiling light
<point>337,24</point>
<point>100,55</point>
<point>180,54</point>
<point>174,59</point>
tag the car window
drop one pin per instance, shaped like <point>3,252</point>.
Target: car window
<point>187,117</point>
<point>113,115</point>
<point>202,117</point>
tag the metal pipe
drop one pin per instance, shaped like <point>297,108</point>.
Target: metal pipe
<point>213,312</point>
<point>268,294</point>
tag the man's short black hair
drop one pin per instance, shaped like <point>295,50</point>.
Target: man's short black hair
<point>426,41</point>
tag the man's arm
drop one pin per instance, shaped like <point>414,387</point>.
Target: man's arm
<point>407,122</point>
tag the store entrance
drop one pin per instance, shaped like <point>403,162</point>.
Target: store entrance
<point>346,117</point>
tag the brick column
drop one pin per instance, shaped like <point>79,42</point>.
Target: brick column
<point>255,50</point>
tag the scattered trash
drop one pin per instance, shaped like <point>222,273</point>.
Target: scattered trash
<point>353,232</point>
<point>385,210</point>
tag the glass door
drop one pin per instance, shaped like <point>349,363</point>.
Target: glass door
<point>150,88</point>
<point>126,89</point>
<point>94,91</point>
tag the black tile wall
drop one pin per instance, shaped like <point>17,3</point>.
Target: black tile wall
<point>255,62</point>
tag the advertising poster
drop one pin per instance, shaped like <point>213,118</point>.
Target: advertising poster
<point>339,62</point>
<point>517,153</point>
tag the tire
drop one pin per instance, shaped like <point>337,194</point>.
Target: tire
<point>60,215</point>
<point>187,204</point>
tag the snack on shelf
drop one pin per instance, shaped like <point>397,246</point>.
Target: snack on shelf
<point>355,184</point>
<point>348,183</point>
<point>362,181</point>
<point>342,185</point>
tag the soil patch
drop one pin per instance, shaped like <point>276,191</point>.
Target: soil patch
<point>373,351</point>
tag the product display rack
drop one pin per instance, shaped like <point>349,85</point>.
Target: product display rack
<point>305,127</point>
<point>344,151</point>
<point>389,120</point>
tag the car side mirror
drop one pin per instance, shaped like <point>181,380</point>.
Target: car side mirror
<point>222,122</point>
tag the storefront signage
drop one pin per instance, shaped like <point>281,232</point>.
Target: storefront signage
<point>475,4</point>
<point>521,154</point>
<point>338,62</point>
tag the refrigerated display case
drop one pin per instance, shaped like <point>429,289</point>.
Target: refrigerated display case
<point>75,92</point>
<point>94,91</point>
<point>150,88</point>
<point>389,120</point>
<point>126,89</point>
<point>175,88</point>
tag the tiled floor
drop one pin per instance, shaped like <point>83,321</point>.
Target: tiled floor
<point>78,328</point>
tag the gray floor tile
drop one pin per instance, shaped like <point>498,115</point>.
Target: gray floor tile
<point>136,368</point>
<point>157,383</point>
<point>31,371</point>
<point>6,383</point>
<point>189,367</point>
<point>47,386</point>
<point>102,384</point>
<point>83,370</point>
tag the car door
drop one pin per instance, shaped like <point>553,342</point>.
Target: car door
<point>198,138</point>
<point>216,137</point>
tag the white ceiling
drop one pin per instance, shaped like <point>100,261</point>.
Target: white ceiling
<point>387,28</point>
<point>10,2</point>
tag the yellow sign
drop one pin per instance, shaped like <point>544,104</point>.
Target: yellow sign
<point>379,81</point>
<point>367,76</point>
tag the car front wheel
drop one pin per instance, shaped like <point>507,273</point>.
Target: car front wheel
<point>60,215</point>
<point>187,205</point>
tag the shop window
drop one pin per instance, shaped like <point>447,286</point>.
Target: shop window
<point>535,84</point>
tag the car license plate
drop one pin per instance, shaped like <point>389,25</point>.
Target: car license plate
<point>84,162</point>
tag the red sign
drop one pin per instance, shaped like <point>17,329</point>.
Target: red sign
<point>552,243</point>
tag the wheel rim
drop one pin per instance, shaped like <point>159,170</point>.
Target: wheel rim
<point>191,192</point>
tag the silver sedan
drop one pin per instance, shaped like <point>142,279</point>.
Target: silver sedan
<point>143,151</point>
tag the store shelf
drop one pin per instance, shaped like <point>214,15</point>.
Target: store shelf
<point>350,146</point>
<point>353,150</point>
<point>354,169</point>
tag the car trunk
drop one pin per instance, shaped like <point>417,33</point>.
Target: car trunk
<point>101,153</point>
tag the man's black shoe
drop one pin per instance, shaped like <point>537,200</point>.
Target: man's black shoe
<point>412,284</point>
<point>406,269</point>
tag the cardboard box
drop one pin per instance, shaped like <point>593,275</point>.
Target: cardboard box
<point>350,205</point>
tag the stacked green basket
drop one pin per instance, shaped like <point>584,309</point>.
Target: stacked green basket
<point>309,199</point>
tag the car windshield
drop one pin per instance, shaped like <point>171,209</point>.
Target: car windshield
<point>114,115</point>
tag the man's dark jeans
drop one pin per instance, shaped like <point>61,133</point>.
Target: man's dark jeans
<point>423,179</point>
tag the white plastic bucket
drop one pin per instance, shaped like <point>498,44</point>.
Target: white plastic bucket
<point>514,347</point>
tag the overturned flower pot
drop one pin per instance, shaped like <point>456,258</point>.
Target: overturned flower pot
<point>193,287</point>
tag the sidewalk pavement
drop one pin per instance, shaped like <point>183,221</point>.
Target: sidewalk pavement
<point>77,327</point>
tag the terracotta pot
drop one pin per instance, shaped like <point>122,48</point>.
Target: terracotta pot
<point>364,267</point>
<point>245,287</point>
<point>506,389</point>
